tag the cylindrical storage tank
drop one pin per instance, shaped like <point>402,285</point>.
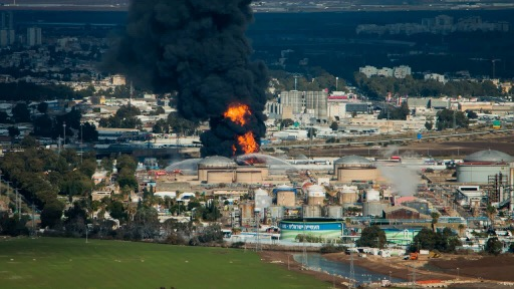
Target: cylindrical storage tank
<point>247,210</point>
<point>276,212</point>
<point>286,196</point>
<point>286,199</point>
<point>334,212</point>
<point>261,192</point>
<point>311,211</point>
<point>375,208</point>
<point>348,196</point>
<point>262,200</point>
<point>372,196</point>
<point>316,195</point>
<point>355,168</point>
<point>474,173</point>
<point>216,169</point>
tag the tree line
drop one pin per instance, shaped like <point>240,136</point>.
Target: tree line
<point>377,87</point>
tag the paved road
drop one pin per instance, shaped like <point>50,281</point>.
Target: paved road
<point>290,144</point>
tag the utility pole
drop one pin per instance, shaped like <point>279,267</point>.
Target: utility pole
<point>304,252</point>
<point>33,224</point>
<point>352,270</point>
<point>257,243</point>
<point>454,119</point>
<point>16,202</point>
<point>64,133</point>
<point>413,277</point>
<point>81,147</point>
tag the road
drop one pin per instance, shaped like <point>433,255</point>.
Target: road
<point>290,145</point>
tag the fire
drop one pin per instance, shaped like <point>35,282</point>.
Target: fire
<point>238,113</point>
<point>248,143</point>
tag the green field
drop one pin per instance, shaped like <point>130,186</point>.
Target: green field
<point>71,263</point>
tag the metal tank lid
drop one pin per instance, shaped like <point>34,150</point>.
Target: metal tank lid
<point>217,161</point>
<point>353,160</point>
<point>492,156</point>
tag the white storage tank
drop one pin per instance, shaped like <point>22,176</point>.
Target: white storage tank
<point>334,212</point>
<point>372,195</point>
<point>374,208</point>
<point>311,211</point>
<point>262,200</point>
<point>348,195</point>
<point>316,195</point>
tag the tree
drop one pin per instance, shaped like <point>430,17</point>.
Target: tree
<point>180,125</point>
<point>21,113</point>
<point>446,118</point>
<point>429,125</point>
<point>445,241</point>
<point>125,117</point>
<point>462,229</point>
<point>126,161</point>
<point>29,142</point>
<point>4,117</point>
<point>372,237</point>
<point>13,132</point>
<point>395,113</point>
<point>117,211</point>
<point>285,123</point>
<point>89,132</point>
<point>435,219</point>
<point>334,126</point>
<point>51,214</point>
<point>126,178</point>
<point>161,126</point>
<point>210,234</point>
<point>471,114</point>
<point>42,107</point>
<point>311,132</point>
<point>494,246</point>
<point>491,212</point>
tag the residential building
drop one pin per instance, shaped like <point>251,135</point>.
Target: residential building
<point>7,37</point>
<point>434,76</point>
<point>34,36</point>
<point>402,71</point>
<point>368,70</point>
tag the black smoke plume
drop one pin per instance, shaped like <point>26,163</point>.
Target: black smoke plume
<point>198,49</point>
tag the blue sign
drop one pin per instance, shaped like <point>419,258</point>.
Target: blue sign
<point>311,226</point>
<point>419,136</point>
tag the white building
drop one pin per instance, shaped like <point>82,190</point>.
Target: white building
<point>401,71</point>
<point>368,70</point>
<point>385,72</point>
<point>434,76</point>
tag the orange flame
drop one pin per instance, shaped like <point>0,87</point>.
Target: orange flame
<point>237,113</point>
<point>248,143</point>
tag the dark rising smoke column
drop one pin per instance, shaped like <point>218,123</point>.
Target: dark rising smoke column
<point>199,49</point>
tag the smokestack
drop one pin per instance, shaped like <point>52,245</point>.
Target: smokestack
<point>197,48</point>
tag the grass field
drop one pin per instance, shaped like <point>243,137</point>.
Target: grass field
<point>71,263</point>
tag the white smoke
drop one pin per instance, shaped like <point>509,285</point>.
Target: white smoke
<point>388,151</point>
<point>403,179</point>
